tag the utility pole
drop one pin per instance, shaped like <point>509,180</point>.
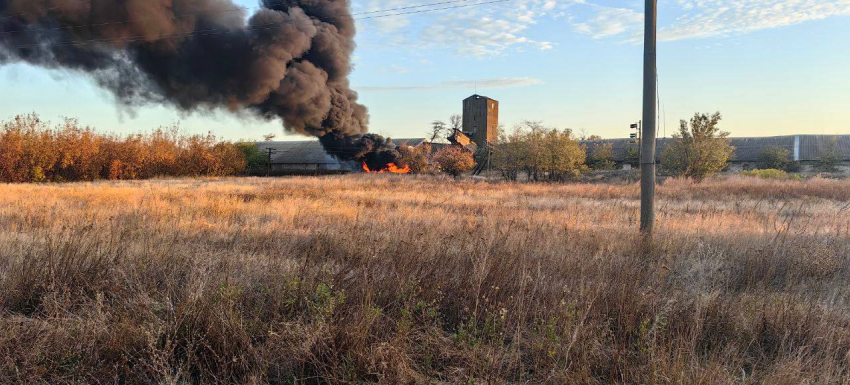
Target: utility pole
<point>269,163</point>
<point>650,94</point>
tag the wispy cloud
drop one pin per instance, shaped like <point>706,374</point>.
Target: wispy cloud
<point>495,29</point>
<point>703,18</point>
<point>480,84</point>
<point>479,28</point>
<point>609,21</point>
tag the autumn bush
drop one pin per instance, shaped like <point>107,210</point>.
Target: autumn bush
<point>33,150</point>
<point>454,160</point>
<point>416,158</point>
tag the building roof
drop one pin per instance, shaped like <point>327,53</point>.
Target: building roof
<point>311,151</point>
<point>476,96</point>
<point>298,152</point>
<point>812,146</point>
<point>804,148</point>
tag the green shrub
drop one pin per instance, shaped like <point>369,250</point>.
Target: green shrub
<point>602,157</point>
<point>775,157</point>
<point>830,157</point>
<point>770,173</point>
<point>699,149</point>
<point>256,160</point>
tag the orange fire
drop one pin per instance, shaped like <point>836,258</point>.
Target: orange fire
<point>390,168</point>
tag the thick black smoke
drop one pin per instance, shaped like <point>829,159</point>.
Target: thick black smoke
<point>290,60</point>
<point>373,150</point>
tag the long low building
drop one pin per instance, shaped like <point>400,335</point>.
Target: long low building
<point>806,149</point>
<point>308,157</point>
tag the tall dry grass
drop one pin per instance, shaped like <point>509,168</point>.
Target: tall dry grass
<point>383,279</point>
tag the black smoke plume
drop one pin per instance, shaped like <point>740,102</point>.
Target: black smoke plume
<point>290,60</point>
<point>371,149</point>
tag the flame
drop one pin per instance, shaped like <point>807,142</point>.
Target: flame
<point>390,168</point>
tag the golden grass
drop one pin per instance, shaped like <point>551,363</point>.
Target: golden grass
<point>402,279</point>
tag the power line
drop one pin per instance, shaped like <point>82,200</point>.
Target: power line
<point>214,31</point>
<point>411,7</point>
<point>229,10</point>
<point>434,9</point>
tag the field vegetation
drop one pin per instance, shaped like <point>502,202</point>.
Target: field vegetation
<point>418,279</point>
<point>34,150</point>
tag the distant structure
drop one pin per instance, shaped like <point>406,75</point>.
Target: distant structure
<point>481,119</point>
<point>308,157</point>
<point>805,149</point>
<point>458,138</point>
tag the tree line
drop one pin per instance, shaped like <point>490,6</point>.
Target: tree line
<point>33,150</point>
<point>699,149</point>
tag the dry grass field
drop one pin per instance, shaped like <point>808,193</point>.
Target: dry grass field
<point>402,279</point>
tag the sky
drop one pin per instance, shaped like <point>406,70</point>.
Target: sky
<point>771,67</point>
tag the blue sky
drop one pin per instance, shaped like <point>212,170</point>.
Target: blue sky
<point>771,67</point>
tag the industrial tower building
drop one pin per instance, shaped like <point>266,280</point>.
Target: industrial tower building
<point>481,119</point>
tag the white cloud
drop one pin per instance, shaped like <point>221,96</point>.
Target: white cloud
<point>478,28</point>
<point>492,29</point>
<point>480,84</point>
<point>704,18</point>
<point>610,22</point>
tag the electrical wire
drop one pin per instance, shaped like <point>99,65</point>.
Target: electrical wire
<point>214,31</point>
<point>658,106</point>
<point>410,7</point>
<point>434,9</point>
<point>229,10</point>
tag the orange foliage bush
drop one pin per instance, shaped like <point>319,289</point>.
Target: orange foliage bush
<point>33,151</point>
<point>454,160</point>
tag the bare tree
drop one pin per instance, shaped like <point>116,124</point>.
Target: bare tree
<point>456,122</point>
<point>439,132</point>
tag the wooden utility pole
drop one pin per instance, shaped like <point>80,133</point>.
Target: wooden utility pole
<point>269,163</point>
<point>647,153</point>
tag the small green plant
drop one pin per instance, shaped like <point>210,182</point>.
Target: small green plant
<point>324,300</point>
<point>770,173</point>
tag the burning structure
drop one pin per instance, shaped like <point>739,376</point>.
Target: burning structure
<point>310,157</point>
<point>290,60</point>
